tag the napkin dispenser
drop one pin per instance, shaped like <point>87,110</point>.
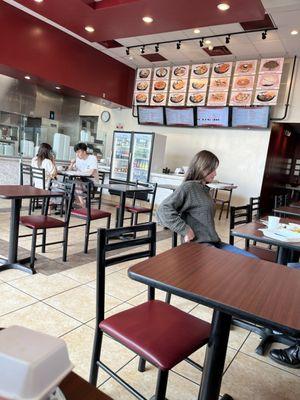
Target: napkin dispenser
<point>32,364</point>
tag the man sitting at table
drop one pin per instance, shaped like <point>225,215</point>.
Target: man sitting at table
<point>86,163</point>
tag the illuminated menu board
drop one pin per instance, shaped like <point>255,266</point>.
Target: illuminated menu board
<point>213,116</point>
<point>180,116</point>
<point>250,117</point>
<point>151,115</point>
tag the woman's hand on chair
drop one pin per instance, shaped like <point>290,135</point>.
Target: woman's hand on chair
<point>189,236</point>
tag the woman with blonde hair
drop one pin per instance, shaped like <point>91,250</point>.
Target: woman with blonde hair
<point>189,210</point>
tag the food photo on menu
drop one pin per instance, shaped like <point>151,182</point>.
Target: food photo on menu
<point>197,98</point>
<point>178,85</point>
<point>221,83</point>
<point>217,98</point>
<point>198,84</point>
<point>246,67</point>
<point>176,99</point>
<point>141,98</point>
<point>221,69</point>
<point>240,98</point>
<point>158,99</point>
<point>142,86</point>
<point>161,72</point>
<point>265,97</point>
<point>200,70</point>
<point>245,82</point>
<point>144,73</point>
<point>268,81</point>
<point>273,65</point>
<point>181,71</point>
<point>159,85</point>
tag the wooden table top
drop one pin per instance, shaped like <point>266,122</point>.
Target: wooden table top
<point>295,211</point>
<point>121,187</point>
<point>25,192</point>
<point>76,388</point>
<point>256,290</point>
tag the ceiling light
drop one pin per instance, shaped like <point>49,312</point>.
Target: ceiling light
<point>38,1</point>
<point>83,96</point>
<point>207,41</point>
<point>89,29</point>
<point>196,30</point>
<point>264,35</point>
<point>130,58</point>
<point>142,49</point>
<point>178,45</point>
<point>57,87</point>
<point>148,20</point>
<point>27,77</point>
<point>210,47</point>
<point>127,51</point>
<point>223,6</point>
<point>157,48</point>
<point>294,32</point>
<point>227,39</point>
<point>201,42</point>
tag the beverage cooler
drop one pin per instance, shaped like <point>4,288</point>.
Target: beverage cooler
<point>135,155</point>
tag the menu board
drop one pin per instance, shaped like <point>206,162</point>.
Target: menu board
<point>250,117</point>
<point>151,115</point>
<point>221,69</point>
<point>141,93</point>
<point>180,116</point>
<point>245,67</point>
<point>213,116</point>
<point>160,86</point>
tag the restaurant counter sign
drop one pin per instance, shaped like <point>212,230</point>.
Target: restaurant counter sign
<point>243,83</point>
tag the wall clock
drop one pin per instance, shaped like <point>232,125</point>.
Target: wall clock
<point>105,116</point>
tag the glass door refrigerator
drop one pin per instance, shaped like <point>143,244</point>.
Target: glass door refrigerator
<point>141,155</point>
<point>120,156</point>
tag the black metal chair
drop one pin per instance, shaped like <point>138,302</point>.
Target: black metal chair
<point>97,189</point>
<point>223,202</point>
<point>88,214</point>
<point>38,179</point>
<point>25,171</point>
<point>158,332</point>
<point>255,211</point>
<point>136,210</point>
<point>44,222</point>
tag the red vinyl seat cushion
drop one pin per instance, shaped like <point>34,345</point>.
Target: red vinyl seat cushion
<point>95,213</point>
<point>136,209</point>
<point>159,332</point>
<point>41,221</point>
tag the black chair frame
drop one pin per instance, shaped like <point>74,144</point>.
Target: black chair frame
<point>223,202</point>
<point>134,216</point>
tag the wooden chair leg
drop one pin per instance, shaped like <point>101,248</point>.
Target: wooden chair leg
<point>87,234</point>
<point>95,356</point>
<point>161,385</point>
<point>33,247</point>
<point>65,244</point>
<point>44,241</point>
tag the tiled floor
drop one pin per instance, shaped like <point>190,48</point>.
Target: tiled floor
<point>60,300</point>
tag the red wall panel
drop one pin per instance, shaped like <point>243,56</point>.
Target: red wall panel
<point>38,49</point>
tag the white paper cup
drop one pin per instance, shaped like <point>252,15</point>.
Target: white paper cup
<point>273,222</point>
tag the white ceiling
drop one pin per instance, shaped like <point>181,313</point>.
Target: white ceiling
<point>285,14</point>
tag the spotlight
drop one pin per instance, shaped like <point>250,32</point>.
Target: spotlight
<point>142,49</point>
<point>157,48</point>
<point>264,35</point>
<point>227,39</point>
<point>201,42</point>
<point>178,45</point>
<point>127,51</point>
<point>210,47</point>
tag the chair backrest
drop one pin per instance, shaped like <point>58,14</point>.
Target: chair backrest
<point>38,174</point>
<point>101,176</point>
<point>105,246</point>
<point>238,216</point>
<point>152,193</point>
<point>255,207</point>
<point>25,169</point>
<point>281,200</point>
<point>68,188</point>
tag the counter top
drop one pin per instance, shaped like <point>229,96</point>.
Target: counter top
<point>168,176</point>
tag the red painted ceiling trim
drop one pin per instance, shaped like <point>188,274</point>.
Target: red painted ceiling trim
<point>98,5</point>
<point>42,51</point>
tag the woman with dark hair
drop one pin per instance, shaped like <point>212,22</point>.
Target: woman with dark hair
<point>44,159</point>
<point>189,210</point>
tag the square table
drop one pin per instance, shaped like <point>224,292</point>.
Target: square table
<point>16,193</point>
<point>231,284</point>
<point>76,388</point>
<point>251,231</point>
<point>123,189</point>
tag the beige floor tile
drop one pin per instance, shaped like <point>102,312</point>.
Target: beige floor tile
<point>42,286</point>
<point>42,318</point>
<point>115,310</point>
<point>83,274</point>
<point>12,274</point>
<point>13,299</point>
<point>80,303</point>
<point>247,378</point>
<point>178,388</point>
<point>249,348</point>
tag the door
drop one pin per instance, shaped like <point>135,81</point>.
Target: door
<point>120,155</point>
<point>141,157</point>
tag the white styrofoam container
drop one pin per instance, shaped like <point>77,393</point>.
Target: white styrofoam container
<point>32,364</point>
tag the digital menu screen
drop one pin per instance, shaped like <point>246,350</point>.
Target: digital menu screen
<point>151,115</point>
<point>250,117</point>
<point>180,116</point>
<point>213,116</point>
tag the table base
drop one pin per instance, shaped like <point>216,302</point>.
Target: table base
<point>4,264</point>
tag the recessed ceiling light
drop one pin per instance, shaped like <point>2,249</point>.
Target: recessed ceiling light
<point>27,77</point>
<point>130,58</point>
<point>148,20</point>
<point>207,41</point>
<point>223,6</point>
<point>89,29</point>
<point>196,30</point>
<point>210,47</point>
<point>83,96</point>
<point>294,32</point>
<point>38,1</point>
<point>57,87</point>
